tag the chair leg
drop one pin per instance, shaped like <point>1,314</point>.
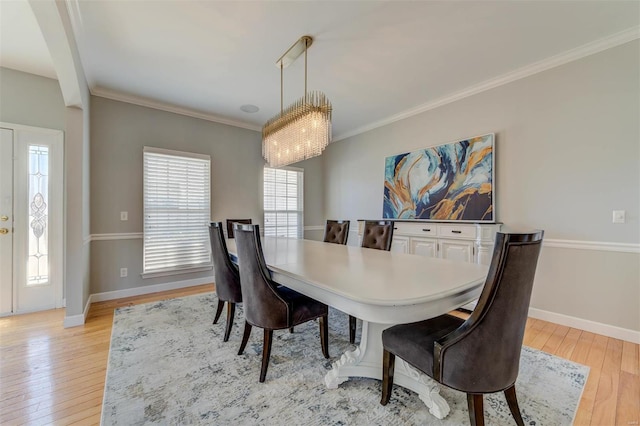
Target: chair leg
<point>231,310</point>
<point>324,335</point>
<point>388,367</point>
<point>510,394</point>
<point>291,330</point>
<point>245,337</point>
<point>218,310</point>
<point>266,353</point>
<point>352,329</point>
<point>476,409</point>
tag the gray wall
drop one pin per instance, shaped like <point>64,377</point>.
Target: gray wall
<point>31,100</point>
<point>313,197</point>
<point>119,131</point>
<point>567,154</point>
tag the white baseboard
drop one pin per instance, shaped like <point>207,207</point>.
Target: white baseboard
<point>628,335</point>
<point>147,289</point>
<point>76,320</point>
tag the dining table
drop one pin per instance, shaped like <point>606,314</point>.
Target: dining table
<point>381,288</point>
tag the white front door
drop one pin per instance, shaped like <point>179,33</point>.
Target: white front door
<point>32,160</point>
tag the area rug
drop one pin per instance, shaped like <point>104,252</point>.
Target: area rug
<point>168,365</point>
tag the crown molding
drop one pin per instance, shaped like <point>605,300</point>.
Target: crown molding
<point>149,103</point>
<point>537,67</point>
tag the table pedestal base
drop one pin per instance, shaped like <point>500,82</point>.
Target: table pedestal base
<point>366,361</point>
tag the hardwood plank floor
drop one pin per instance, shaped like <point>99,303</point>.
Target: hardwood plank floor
<point>604,409</point>
<point>52,375</point>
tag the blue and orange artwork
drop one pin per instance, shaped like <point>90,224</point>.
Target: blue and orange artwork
<point>445,182</point>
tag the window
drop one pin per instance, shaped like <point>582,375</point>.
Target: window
<point>38,253</point>
<point>176,211</point>
<point>283,202</point>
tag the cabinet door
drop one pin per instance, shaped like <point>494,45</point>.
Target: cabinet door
<point>400,244</point>
<point>484,254</point>
<point>424,246</point>
<point>457,250</point>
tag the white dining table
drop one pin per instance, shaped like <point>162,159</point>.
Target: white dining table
<point>382,289</point>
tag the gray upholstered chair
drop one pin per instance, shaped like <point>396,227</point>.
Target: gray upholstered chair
<point>336,232</point>
<point>482,354</point>
<point>377,234</point>
<point>226,276</point>
<point>268,305</point>
<point>230,223</point>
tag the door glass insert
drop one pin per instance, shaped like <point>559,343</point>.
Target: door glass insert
<point>38,262</point>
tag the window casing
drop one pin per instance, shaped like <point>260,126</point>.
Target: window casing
<point>283,202</point>
<point>176,212</point>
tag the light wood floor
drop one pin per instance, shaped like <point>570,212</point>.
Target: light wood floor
<point>51,375</point>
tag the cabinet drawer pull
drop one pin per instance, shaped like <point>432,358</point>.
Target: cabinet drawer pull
<point>426,229</point>
<point>456,232</point>
<point>394,228</point>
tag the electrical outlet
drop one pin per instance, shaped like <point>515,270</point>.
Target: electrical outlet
<point>124,215</point>
<point>619,216</point>
<point>123,272</point>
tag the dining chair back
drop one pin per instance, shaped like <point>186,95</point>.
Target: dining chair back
<point>227,278</point>
<point>267,304</point>
<point>482,353</point>
<point>230,223</point>
<point>336,231</point>
<point>377,234</point>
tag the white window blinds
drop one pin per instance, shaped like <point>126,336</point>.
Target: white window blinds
<point>176,210</point>
<point>283,203</point>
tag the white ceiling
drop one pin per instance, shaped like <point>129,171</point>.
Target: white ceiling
<point>22,46</point>
<point>374,60</point>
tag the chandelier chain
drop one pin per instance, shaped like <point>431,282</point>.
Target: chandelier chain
<point>281,89</point>
<point>306,44</point>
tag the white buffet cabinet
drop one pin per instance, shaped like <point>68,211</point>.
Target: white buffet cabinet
<point>468,242</point>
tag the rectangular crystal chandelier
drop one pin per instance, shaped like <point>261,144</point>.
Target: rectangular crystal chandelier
<point>303,129</point>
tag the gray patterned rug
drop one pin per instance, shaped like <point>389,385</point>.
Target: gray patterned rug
<point>168,365</point>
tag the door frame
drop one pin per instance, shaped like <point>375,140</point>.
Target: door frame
<point>57,251</point>
<point>6,241</point>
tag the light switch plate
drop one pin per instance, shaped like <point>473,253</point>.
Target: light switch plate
<point>124,215</point>
<point>619,216</point>
<point>123,272</point>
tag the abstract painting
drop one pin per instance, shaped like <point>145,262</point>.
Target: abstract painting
<point>451,182</point>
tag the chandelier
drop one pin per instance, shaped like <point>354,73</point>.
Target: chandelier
<point>303,129</point>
